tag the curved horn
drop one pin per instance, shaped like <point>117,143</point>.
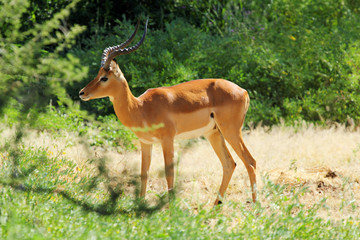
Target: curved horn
<point>108,50</point>
<point>111,52</point>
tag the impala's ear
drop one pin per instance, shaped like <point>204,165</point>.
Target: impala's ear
<point>114,67</point>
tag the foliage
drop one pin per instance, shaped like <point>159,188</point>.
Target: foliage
<point>298,59</point>
<point>31,71</point>
<point>296,66</point>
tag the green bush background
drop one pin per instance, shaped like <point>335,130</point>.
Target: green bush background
<point>298,59</point>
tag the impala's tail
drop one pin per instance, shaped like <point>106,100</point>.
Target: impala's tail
<point>247,102</point>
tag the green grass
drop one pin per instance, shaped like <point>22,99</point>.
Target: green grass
<point>105,130</point>
<point>44,196</point>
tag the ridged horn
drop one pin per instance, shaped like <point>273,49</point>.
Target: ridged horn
<point>111,52</point>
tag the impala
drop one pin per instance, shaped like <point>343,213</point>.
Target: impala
<point>214,108</point>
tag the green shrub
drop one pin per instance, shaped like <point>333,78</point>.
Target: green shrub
<point>297,59</point>
<point>31,69</point>
<point>296,66</point>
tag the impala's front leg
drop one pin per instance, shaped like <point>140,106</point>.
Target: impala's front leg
<point>168,151</point>
<point>146,150</point>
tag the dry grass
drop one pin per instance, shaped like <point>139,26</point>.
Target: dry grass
<point>327,161</point>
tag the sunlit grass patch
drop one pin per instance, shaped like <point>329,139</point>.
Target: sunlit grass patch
<point>54,189</point>
<point>31,213</point>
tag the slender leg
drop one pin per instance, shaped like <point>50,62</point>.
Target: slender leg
<point>228,164</point>
<point>237,143</point>
<point>146,150</point>
<point>168,151</point>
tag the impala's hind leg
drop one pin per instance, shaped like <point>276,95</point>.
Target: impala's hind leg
<point>234,137</point>
<point>238,145</point>
<point>218,143</point>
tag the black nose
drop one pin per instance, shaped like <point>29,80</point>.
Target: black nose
<point>81,93</point>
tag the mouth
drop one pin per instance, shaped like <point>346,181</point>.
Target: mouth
<point>84,98</point>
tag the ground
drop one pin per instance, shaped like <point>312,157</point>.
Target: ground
<point>324,160</point>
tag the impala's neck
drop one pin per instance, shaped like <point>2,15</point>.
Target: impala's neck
<point>126,106</point>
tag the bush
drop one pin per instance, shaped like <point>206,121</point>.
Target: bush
<point>298,59</point>
<point>31,69</point>
<point>296,65</point>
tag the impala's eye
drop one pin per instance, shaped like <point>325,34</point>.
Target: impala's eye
<point>103,79</point>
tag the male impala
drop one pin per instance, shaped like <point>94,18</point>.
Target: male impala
<point>214,108</point>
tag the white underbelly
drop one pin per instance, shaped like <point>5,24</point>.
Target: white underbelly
<point>149,141</point>
<point>197,132</point>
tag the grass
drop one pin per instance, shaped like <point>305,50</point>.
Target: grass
<point>105,130</point>
<point>54,187</point>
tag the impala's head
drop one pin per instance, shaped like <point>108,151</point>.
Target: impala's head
<point>110,73</point>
